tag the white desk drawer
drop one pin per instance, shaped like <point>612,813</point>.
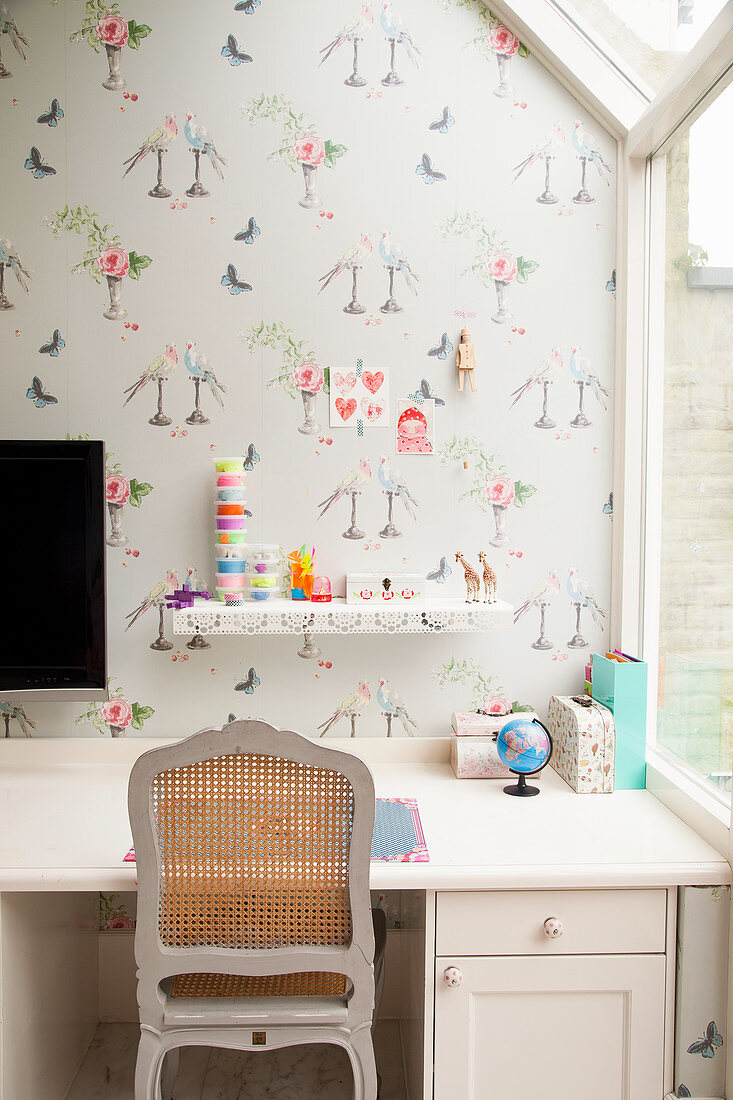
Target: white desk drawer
<point>512,922</point>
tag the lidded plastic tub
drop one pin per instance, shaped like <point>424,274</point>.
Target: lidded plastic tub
<point>233,538</point>
<point>231,580</point>
<point>230,523</point>
<point>231,565</point>
<point>231,480</point>
<point>229,465</point>
<point>227,550</point>
<point>264,551</point>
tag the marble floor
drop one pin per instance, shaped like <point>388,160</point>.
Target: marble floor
<point>294,1073</point>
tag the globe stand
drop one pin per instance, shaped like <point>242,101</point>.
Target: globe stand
<point>522,789</point>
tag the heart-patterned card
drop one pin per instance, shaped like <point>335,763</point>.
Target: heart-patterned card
<point>359,398</point>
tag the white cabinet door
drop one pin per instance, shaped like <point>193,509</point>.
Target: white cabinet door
<point>563,1028</point>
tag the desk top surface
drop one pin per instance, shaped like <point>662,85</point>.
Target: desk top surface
<point>65,827</point>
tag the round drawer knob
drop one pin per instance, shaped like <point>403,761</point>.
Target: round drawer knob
<point>453,976</point>
<point>553,928</point>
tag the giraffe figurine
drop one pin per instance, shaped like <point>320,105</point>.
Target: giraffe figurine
<point>473,584</point>
<point>489,579</point>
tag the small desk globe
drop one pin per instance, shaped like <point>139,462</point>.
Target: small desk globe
<point>525,746</point>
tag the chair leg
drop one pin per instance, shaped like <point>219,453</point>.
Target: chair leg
<point>169,1073</point>
<point>147,1069</point>
<point>361,1052</point>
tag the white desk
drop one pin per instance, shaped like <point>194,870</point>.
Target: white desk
<point>64,832</point>
<point>63,825</point>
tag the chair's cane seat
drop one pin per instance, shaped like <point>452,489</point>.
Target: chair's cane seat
<point>268,985</point>
<point>316,984</point>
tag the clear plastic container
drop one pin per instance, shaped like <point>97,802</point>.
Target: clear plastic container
<point>230,507</point>
<point>229,465</point>
<point>264,551</point>
<point>226,550</point>
<point>231,580</point>
<point>223,480</point>
<point>230,494</point>
<point>260,594</point>
<point>233,538</point>
<point>230,523</point>
<point>260,568</point>
<point>263,580</point>
<point>233,566</point>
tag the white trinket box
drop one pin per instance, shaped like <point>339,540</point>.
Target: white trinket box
<point>385,588</point>
<point>584,742</point>
<point>473,752</point>
<point>475,724</point>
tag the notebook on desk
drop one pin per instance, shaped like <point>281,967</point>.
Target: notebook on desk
<point>398,834</point>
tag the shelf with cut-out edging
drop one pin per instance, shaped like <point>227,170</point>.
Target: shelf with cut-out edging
<point>280,616</point>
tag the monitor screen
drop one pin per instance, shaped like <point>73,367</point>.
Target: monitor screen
<point>52,565</point>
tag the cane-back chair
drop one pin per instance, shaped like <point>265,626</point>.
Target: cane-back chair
<point>254,926</point>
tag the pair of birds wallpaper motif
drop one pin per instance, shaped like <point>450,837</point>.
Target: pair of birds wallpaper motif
<point>349,193</point>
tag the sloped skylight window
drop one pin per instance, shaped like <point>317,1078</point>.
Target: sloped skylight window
<point>647,38</point>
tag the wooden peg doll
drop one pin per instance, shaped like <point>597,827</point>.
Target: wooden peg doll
<point>466,360</point>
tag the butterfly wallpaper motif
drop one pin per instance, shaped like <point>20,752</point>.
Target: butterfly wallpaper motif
<point>192,255</point>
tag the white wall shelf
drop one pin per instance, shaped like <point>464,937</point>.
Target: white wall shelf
<point>438,616</point>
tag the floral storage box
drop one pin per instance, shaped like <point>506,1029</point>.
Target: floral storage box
<point>476,758</point>
<point>385,588</point>
<point>583,744</point>
<point>473,752</point>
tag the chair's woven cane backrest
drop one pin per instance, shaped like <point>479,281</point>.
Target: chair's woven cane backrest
<point>253,853</point>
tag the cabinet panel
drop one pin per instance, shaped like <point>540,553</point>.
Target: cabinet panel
<point>564,1028</point>
<point>511,922</point>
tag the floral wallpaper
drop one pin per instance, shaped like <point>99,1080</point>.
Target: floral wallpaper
<point>237,229</point>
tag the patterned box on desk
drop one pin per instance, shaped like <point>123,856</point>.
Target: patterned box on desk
<point>583,744</point>
<point>385,588</point>
<point>475,724</point>
<point>473,752</point>
<point>476,758</point>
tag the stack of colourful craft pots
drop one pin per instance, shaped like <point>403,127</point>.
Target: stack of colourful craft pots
<point>264,572</point>
<point>231,533</point>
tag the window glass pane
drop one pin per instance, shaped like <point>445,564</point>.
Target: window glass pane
<point>650,37</point>
<point>695,713</point>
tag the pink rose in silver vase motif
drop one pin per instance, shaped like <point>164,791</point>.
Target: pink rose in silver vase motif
<point>500,492</point>
<point>502,266</point>
<point>114,261</point>
<point>310,150</point>
<point>118,489</point>
<point>116,712</point>
<point>308,377</point>
<point>112,30</point>
<point>501,40</point>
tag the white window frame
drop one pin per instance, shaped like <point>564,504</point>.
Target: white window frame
<point>643,126</point>
<point>704,74</point>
